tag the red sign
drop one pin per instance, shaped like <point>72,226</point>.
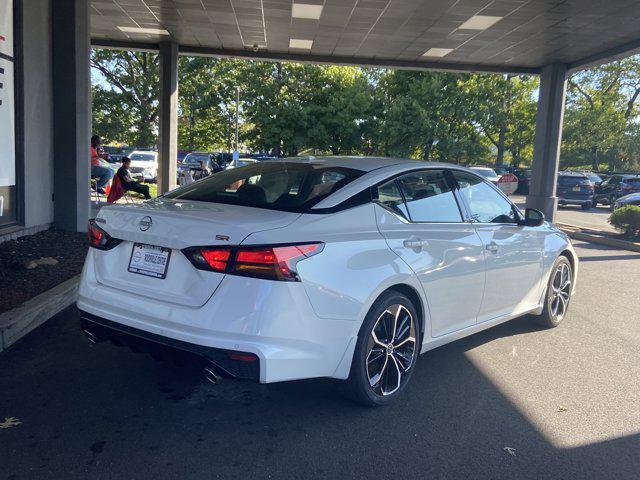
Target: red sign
<point>508,183</point>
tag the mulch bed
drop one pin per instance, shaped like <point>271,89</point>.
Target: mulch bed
<point>19,284</point>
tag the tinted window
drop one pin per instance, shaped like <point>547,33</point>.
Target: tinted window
<point>196,159</point>
<point>565,181</point>
<point>288,186</point>
<point>389,195</point>
<point>632,181</point>
<point>486,204</point>
<point>429,197</point>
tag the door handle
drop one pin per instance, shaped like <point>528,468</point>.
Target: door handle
<point>492,247</point>
<point>415,243</point>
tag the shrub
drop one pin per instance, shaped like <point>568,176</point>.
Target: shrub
<point>627,219</point>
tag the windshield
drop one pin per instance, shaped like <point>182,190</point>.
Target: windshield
<point>485,172</point>
<point>573,181</point>
<point>288,186</point>
<point>146,157</point>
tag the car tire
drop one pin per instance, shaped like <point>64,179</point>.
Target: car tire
<point>558,294</point>
<point>586,206</point>
<point>594,204</point>
<point>384,358</point>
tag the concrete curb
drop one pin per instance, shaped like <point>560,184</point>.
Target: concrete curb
<point>579,234</point>
<point>16,323</point>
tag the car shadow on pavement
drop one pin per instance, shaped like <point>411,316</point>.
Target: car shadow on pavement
<point>104,412</point>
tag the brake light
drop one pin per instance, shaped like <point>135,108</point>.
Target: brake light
<point>273,263</point>
<point>216,258</point>
<point>276,263</point>
<point>100,239</point>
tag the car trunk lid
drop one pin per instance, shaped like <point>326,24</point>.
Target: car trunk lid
<point>176,225</point>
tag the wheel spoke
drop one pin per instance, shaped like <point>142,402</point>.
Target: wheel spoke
<point>392,377</point>
<point>375,379</point>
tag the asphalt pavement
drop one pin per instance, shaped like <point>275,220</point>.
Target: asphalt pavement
<point>596,218</point>
<point>512,402</point>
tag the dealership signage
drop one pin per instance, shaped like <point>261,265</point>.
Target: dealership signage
<point>7,116</point>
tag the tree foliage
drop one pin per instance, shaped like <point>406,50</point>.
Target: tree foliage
<point>289,108</point>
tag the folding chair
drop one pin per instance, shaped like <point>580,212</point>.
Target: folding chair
<point>93,184</point>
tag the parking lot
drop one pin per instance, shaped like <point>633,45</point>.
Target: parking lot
<point>594,219</point>
<point>512,402</point>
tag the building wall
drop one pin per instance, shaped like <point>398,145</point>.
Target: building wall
<point>38,113</point>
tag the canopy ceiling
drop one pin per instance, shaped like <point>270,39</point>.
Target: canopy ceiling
<point>489,35</point>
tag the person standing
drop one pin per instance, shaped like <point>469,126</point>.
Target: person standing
<point>102,173</point>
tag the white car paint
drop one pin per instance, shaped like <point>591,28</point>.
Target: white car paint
<point>144,163</point>
<point>309,328</point>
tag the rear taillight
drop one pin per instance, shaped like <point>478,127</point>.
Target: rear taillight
<point>100,239</point>
<point>273,262</point>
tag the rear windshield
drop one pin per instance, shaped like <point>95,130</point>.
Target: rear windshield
<point>573,181</point>
<point>288,186</point>
<point>485,172</point>
<point>196,158</point>
<point>632,181</point>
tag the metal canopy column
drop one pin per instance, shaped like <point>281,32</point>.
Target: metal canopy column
<point>71,113</point>
<point>546,148</point>
<point>168,117</point>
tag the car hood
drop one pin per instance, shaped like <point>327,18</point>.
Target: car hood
<point>147,165</point>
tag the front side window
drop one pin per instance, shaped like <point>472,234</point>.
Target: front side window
<point>485,203</point>
<point>287,186</point>
<point>429,197</point>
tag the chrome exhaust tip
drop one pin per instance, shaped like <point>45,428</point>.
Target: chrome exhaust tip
<point>212,376</point>
<point>93,338</point>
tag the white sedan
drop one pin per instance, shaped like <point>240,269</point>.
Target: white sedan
<point>321,267</point>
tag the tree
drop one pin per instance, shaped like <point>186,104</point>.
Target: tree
<point>130,92</point>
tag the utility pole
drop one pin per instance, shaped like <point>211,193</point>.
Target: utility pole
<point>236,152</point>
<point>228,130</point>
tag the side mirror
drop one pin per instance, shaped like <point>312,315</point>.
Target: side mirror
<point>532,218</point>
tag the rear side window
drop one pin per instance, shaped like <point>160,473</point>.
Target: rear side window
<point>573,181</point>
<point>429,197</point>
<point>390,196</point>
<point>632,181</point>
<point>287,186</point>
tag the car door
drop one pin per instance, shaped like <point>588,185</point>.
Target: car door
<point>421,220</point>
<point>513,253</point>
<point>607,190</point>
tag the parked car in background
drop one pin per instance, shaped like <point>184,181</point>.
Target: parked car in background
<point>502,170</point>
<point>181,155</point>
<point>336,267</point>
<point>594,178</point>
<point>575,188</point>
<point>488,173</point>
<point>144,165</point>
<point>242,162</point>
<point>524,180</point>
<point>614,187</point>
<point>223,158</point>
<point>631,199</point>
<point>192,162</point>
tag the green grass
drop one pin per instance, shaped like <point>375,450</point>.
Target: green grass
<point>153,191</point>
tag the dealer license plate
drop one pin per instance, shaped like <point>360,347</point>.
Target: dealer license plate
<point>149,260</point>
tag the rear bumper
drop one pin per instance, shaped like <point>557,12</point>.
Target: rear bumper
<point>575,201</point>
<point>272,320</point>
<point>239,365</point>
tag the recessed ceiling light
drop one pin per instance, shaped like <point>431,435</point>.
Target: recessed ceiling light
<point>151,31</point>
<point>437,52</point>
<point>298,43</point>
<point>479,22</point>
<point>305,10</point>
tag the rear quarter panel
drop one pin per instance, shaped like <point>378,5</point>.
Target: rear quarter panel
<point>354,268</point>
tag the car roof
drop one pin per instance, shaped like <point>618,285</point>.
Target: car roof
<point>573,174</point>
<point>377,169</point>
<point>365,164</point>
